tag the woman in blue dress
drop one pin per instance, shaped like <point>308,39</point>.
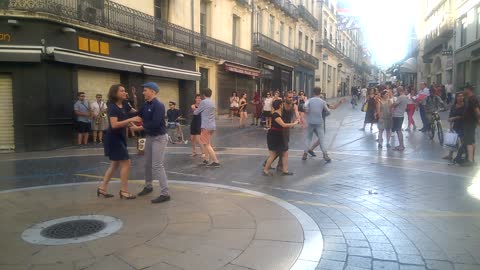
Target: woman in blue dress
<point>115,145</point>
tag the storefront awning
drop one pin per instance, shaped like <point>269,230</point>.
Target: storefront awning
<point>242,70</point>
<point>88,59</point>
<point>409,66</point>
<point>19,54</point>
<point>181,74</point>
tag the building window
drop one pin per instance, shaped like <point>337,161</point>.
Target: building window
<point>203,78</point>
<point>259,20</point>
<point>271,27</point>
<point>204,27</point>
<point>306,43</point>
<point>236,31</point>
<point>161,9</point>
<point>290,37</point>
<point>478,23</point>
<point>282,30</point>
<point>300,38</point>
<point>331,35</point>
<point>311,46</point>
<point>463,32</point>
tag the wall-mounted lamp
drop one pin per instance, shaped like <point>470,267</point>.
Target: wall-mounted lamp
<point>69,30</point>
<point>135,45</point>
<point>13,22</point>
<point>180,55</point>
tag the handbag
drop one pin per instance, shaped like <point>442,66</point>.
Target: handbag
<point>365,107</point>
<point>451,138</point>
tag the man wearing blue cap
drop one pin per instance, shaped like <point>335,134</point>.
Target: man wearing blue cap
<point>153,117</point>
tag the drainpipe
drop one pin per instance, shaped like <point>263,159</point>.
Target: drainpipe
<point>192,14</point>
<point>252,33</point>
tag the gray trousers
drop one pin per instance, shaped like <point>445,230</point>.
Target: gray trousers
<point>318,130</point>
<point>154,162</point>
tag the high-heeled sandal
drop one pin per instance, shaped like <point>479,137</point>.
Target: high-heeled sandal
<point>103,193</point>
<point>126,195</point>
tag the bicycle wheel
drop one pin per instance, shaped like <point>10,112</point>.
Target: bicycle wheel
<point>440,132</point>
<point>431,131</point>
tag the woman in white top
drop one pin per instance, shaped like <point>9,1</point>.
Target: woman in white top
<point>267,110</point>
<point>234,104</point>
<point>99,121</point>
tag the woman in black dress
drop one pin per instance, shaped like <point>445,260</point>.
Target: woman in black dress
<point>276,141</point>
<point>195,128</point>
<point>116,140</point>
<point>371,116</point>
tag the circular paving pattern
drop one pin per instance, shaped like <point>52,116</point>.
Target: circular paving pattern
<point>70,230</point>
<point>204,226</point>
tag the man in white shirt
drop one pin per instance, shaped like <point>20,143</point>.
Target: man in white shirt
<point>425,92</point>
<point>364,93</point>
<point>449,90</point>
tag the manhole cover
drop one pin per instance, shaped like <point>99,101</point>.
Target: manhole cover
<point>70,230</point>
<point>73,229</point>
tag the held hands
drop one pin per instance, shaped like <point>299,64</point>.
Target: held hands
<point>136,128</point>
<point>135,119</point>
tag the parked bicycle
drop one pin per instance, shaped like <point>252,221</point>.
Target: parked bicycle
<point>436,126</point>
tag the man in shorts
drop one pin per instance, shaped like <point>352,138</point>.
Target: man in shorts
<point>82,113</point>
<point>399,107</point>
<point>207,110</point>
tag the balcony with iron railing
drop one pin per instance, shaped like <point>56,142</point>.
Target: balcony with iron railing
<point>306,58</point>
<point>439,36</point>
<point>308,17</point>
<point>243,2</point>
<point>119,19</point>
<point>287,6</point>
<point>268,45</point>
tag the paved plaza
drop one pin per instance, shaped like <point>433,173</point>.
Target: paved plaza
<point>368,209</point>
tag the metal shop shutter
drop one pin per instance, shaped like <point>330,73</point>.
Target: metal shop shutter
<point>7,142</point>
<point>168,91</point>
<point>94,82</point>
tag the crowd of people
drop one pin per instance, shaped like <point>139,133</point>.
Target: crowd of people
<point>278,112</point>
<point>386,105</point>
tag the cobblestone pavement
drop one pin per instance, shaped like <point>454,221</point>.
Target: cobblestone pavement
<point>376,209</point>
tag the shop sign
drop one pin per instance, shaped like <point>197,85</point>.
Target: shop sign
<point>5,37</point>
<point>449,64</point>
<point>242,70</point>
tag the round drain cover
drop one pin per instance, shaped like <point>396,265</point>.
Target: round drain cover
<point>70,230</point>
<point>73,229</point>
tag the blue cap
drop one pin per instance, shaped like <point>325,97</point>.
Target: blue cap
<point>152,86</point>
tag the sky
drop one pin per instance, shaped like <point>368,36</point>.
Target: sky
<point>387,26</point>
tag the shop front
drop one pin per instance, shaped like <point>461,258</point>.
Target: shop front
<point>274,76</point>
<point>238,78</point>
<point>45,64</point>
<point>304,80</point>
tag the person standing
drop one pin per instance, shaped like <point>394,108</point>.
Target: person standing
<point>302,99</point>
<point>315,109</point>
<point>399,107</point>
<point>470,121</point>
<point>116,141</point>
<point>267,110</point>
<point>370,114</point>
<point>242,109</point>
<point>424,93</point>
<point>384,110</point>
<point>411,107</point>
<point>208,126</point>
<point>277,145</point>
<point>83,114</point>
<point>99,123</point>
<point>153,117</point>
<point>449,90</point>
<point>195,128</point>
<point>234,104</point>
<point>456,115</point>
<point>257,108</point>
<point>364,92</point>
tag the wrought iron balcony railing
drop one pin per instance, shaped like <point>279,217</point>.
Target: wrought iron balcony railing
<point>439,36</point>
<point>243,2</point>
<point>130,23</point>
<point>307,16</point>
<point>287,6</point>
<point>305,57</point>
<point>271,46</point>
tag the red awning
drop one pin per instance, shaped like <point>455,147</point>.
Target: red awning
<point>242,70</point>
